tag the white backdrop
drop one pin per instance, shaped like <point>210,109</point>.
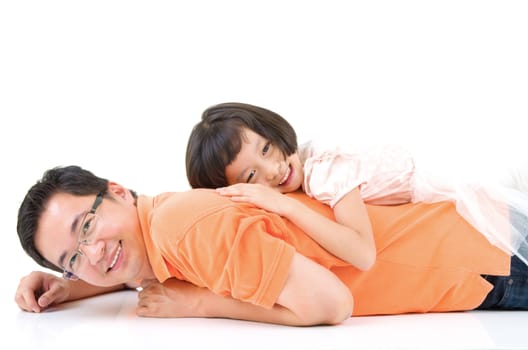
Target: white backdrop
<point>116,86</point>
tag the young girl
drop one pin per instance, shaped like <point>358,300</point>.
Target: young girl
<point>255,151</point>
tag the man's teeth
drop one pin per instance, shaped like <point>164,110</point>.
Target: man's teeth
<point>115,257</point>
<point>285,176</point>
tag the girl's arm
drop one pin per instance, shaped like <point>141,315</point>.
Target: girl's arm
<point>349,237</point>
<point>312,295</point>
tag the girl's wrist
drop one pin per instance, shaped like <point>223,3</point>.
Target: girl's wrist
<point>289,206</point>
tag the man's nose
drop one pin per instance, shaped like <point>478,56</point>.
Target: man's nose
<point>93,252</point>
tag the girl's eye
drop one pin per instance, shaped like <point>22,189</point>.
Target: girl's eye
<point>266,148</point>
<point>251,175</point>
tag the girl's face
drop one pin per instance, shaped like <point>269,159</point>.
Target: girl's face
<point>261,162</point>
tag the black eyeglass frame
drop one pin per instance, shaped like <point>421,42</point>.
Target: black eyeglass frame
<point>67,275</point>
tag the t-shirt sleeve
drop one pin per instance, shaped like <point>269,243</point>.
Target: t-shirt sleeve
<point>235,252</point>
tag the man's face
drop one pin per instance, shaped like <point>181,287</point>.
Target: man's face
<point>114,253</point>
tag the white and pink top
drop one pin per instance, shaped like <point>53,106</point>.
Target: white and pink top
<point>390,175</point>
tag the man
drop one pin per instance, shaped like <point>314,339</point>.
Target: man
<point>218,258</point>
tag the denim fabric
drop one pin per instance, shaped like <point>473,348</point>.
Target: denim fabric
<point>509,292</point>
<point>520,224</point>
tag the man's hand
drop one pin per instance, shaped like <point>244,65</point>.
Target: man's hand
<point>39,290</point>
<point>173,298</point>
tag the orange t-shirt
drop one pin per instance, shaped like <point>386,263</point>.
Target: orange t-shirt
<point>428,257</point>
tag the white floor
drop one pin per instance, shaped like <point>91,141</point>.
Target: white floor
<point>109,321</point>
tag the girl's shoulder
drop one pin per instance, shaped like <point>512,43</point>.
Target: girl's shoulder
<point>316,148</point>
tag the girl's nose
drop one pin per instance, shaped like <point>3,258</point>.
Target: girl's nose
<point>273,171</point>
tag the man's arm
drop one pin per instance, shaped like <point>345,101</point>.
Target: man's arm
<point>312,295</point>
<point>39,290</point>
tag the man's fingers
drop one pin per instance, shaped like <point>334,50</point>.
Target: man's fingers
<point>27,301</point>
<point>147,282</point>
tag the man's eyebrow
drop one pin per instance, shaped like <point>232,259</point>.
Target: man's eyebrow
<point>73,228</point>
<point>61,260</point>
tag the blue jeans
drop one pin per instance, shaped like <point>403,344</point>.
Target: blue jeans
<point>509,292</point>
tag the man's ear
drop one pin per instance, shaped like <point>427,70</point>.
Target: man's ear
<point>119,191</point>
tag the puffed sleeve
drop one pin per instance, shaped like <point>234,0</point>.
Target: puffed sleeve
<point>384,174</point>
<point>330,175</point>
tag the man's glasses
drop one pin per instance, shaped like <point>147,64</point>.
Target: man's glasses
<point>74,261</point>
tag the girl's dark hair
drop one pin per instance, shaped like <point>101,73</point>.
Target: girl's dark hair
<point>216,140</point>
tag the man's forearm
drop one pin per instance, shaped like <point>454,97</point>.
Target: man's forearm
<point>176,298</point>
<point>80,289</point>
<point>226,307</point>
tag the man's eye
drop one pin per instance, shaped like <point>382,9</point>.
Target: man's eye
<point>251,175</point>
<point>73,260</point>
<point>85,228</point>
<point>266,148</point>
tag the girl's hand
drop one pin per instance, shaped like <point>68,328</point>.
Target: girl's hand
<point>259,195</point>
